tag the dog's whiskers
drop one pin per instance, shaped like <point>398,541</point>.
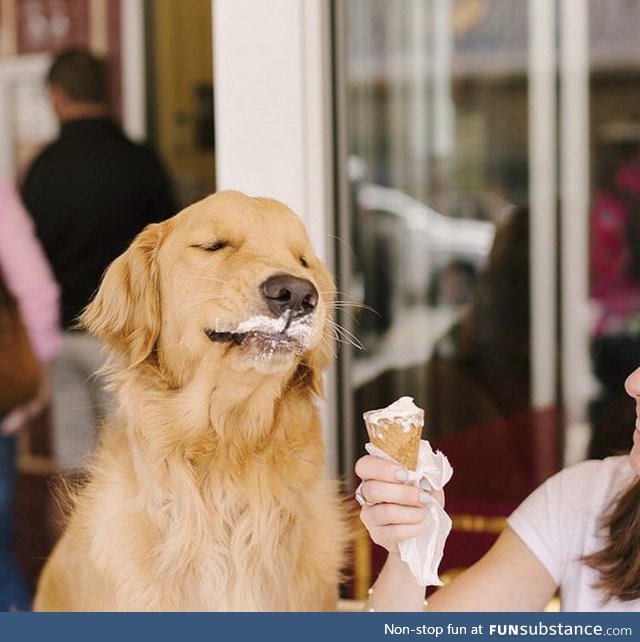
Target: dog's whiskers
<point>347,296</point>
<point>328,342</point>
<point>351,315</point>
<point>342,335</point>
<point>335,337</point>
<point>351,304</point>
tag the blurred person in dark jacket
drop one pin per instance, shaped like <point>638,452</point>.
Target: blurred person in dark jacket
<point>89,192</point>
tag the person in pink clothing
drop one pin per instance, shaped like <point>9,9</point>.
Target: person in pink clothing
<point>28,277</point>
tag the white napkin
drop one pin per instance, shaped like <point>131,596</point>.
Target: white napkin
<point>423,553</point>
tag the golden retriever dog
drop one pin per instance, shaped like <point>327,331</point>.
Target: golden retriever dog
<point>206,492</point>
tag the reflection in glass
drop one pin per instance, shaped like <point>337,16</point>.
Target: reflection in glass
<point>436,120</point>
<point>438,152</point>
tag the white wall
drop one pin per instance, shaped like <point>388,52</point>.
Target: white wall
<point>271,91</point>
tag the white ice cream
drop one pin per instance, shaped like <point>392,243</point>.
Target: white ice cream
<point>403,412</point>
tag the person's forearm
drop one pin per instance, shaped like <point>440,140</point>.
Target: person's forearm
<point>396,589</point>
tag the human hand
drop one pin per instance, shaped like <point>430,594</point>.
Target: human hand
<point>394,511</point>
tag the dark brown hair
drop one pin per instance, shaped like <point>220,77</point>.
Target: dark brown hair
<point>82,75</point>
<point>618,563</point>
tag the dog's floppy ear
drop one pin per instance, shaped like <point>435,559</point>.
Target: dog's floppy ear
<point>125,312</point>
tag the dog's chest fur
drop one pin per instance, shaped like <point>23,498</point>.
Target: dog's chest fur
<point>209,539</point>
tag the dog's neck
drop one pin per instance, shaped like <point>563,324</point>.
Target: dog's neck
<point>234,405</point>
<point>228,427</point>
<point>226,411</point>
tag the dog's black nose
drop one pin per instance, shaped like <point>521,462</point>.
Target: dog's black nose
<point>284,292</point>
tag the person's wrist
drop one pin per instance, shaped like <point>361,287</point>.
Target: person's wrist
<point>369,606</point>
<point>399,567</point>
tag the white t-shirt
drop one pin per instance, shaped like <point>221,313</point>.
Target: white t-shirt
<point>560,522</point>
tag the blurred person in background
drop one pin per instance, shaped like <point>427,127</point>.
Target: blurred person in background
<point>89,192</point>
<point>27,276</point>
<point>484,355</point>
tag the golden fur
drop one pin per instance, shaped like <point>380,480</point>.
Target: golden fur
<point>207,490</point>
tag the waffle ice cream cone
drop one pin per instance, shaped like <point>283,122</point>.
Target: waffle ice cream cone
<point>397,430</point>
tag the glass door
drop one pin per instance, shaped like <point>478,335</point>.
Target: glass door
<point>487,153</point>
<point>435,166</point>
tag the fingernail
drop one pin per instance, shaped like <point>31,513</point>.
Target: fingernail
<point>402,475</point>
<point>425,498</point>
<point>425,485</point>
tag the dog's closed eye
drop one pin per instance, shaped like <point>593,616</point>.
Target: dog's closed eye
<point>212,247</point>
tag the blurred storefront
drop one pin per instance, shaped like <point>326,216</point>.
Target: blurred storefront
<point>160,68</point>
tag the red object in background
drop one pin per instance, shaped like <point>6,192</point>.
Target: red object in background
<point>476,526</point>
<point>51,25</point>
<point>495,467</point>
<point>502,461</point>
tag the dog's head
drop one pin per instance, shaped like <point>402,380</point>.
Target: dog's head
<point>231,279</point>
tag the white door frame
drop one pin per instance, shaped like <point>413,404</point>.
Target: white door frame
<point>577,379</point>
<point>542,70</point>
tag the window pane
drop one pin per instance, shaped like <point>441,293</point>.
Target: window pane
<point>436,98</point>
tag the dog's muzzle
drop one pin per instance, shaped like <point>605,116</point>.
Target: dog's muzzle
<point>268,335</point>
